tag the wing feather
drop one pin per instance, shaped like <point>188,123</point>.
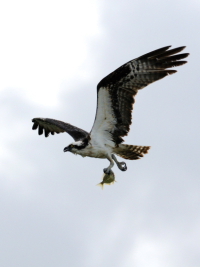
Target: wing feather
<point>116,92</point>
<point>54,126</point>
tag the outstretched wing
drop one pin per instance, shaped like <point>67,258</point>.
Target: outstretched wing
<point>54,126</point>
<point>116,92</point>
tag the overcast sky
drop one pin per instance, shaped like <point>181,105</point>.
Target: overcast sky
<point>52,55</point>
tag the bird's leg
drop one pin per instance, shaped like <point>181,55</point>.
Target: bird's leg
<point>121,165</point>
<point>107,170</point>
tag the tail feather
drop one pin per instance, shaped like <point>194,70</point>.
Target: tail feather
<point>131,152</point>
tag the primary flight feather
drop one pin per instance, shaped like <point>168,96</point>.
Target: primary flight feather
<point>115,99</point>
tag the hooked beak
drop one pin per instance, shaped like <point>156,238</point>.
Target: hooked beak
<point>66,149</point>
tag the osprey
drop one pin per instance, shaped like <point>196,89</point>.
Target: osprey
<point>115,99</point>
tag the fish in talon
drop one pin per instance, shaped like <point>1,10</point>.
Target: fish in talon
<point>107,179</point>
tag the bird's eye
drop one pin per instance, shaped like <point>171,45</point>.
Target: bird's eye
<point>72,145</point>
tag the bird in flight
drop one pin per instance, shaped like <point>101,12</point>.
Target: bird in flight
<point>115,98</point>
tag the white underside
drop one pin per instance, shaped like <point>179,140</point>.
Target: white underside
<point>94,151</point>
<point>104,125</point>
<point>101,144</point>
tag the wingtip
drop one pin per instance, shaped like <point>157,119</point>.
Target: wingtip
<point>35,126</point>
<point>181,48</point>
<point>169,72</point>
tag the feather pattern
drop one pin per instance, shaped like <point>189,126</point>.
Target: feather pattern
<point>54,126</point>
<point>131,152</point>
<point>116,92</point>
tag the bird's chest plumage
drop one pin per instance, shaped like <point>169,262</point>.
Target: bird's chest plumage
<point>94,151</point>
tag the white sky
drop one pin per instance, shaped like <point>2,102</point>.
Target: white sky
<point>44,43</point>
<point>52,55</point>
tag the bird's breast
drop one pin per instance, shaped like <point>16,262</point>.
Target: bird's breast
<point>94,152</point>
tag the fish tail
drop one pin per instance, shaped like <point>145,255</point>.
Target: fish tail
<point>101,185</point>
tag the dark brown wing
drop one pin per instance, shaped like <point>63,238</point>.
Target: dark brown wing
<point>54,126</point>
<point>115,93</point>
